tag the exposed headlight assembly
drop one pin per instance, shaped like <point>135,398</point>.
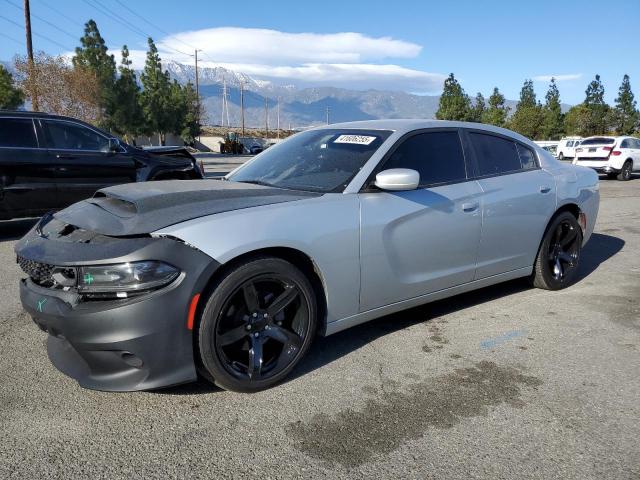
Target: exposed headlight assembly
<point>124,279</point>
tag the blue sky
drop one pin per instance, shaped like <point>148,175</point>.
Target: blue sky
<point>400,45</point>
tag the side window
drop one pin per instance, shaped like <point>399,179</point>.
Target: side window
<point>17,133</point>
<point>625,143</point>
<point>437,156</point>
<point>69,136</point>
<point>527,157</point>
<point>570,144</point>
<point>495,155</point>
<point>636,143</point>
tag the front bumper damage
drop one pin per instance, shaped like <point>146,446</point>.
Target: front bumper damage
<point>137,343</point>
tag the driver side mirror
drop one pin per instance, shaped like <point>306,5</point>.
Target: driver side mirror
<point>397,179</point>
<point>114,145</point>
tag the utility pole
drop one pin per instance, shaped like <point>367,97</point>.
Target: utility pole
<point>266,117</point>
<point>27,27</point>
<point>197,95</point>
<point>278,119</point>
<point>327,115</point>
<point>242,106</point>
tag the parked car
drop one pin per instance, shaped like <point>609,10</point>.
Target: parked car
<point>567,147</point>
<point>617,157</point>
<point>146,285</point>
<point>48,162</point>
<point>255,149</point>
<point>552,149</point>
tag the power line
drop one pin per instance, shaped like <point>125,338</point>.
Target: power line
<point>44,37</point>
<point>161,30</point>
<point>10,38</point>
<point>52,25</point>
<point>58,12</point>
<point>125,23</point>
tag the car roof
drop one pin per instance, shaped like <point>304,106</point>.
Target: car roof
<point>402,126</point>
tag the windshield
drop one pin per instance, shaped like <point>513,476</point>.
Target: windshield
<point>598,141</point>
<point>317,160</point>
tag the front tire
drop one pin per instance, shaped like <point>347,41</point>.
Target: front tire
<point>556,265</point>
<point>257,324</point>
<point>625,173</point>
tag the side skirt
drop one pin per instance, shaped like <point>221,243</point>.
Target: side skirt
<point>359,318</point>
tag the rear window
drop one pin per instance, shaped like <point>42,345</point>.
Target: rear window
<point>495,155</point>
<point>17,133</point>
<point>527,157</point>
<point>599,141</point>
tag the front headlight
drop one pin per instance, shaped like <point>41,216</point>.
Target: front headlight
<point>125,278</point>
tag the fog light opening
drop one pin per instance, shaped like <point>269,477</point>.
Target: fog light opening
<point>131,360</point>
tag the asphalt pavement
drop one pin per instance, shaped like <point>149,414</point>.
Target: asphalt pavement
<point>506,382</point>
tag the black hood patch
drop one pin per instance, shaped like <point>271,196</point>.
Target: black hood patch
<point>141,208</point>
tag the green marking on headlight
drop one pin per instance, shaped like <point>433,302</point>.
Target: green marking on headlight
<point>88,278</point>
<point>41,303</point>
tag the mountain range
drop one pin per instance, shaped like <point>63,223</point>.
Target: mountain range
<point>299,106</point>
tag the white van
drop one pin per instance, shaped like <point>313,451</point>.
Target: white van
<point>567,147</point>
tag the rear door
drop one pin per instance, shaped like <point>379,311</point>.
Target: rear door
<point>83,161</point>
<point>517,201</point>
<point>27,185</point>
<point>420,241</point>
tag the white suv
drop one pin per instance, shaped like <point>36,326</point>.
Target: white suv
<point>567,147</point>
<point>615,156</point>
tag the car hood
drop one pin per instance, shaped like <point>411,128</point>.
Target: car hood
<point>142,208</point>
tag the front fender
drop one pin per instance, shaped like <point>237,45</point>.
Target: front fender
<point>325,228</point>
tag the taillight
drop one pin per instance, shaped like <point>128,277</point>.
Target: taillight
<point>607,149</point>
<point>616,153</point>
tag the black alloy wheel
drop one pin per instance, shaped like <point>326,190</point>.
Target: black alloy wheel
<point>257,325</point>
<point>559,254</point>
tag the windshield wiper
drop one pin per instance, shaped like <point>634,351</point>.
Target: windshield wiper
<point>258,182</point>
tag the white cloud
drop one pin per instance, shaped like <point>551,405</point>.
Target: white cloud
<point>559,78</point>
<point>272,47</point>
<point>335,59</point>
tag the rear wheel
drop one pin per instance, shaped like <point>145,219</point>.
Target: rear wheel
<point>561,156</point>
<point>625,173</point>
<point>257,324</point>
<point>557,261</point>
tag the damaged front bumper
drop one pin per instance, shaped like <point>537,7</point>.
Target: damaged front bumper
<point>137,343</point>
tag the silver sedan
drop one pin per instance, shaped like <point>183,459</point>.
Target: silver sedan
<point>149,285</point>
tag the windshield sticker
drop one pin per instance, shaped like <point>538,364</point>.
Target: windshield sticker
<point>354,139</point>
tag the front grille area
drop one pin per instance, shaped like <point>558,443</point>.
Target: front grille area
<point>41,273</point>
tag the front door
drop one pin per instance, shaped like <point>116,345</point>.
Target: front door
<point>421,241</point>
<point>83,161</point>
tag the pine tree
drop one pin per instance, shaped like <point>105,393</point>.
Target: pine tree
<point>528,117</point>
<point>553,124</point>
<point>155,99</point>
<point>93,56</point>
<point>126,118</point>
<point>454,102</point>
<point>11,97</point>
<point>598,109</point>
<point>477,111</point>
<point>577,120</point>
<point>496,113</point>
<point>625,116</point>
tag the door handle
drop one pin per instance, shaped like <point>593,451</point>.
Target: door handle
<point>544,189</point>
<point>470,207</point>
<point>60,156</point>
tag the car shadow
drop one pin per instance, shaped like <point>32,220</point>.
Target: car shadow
<point>326,350</point>
<point>15,229</point>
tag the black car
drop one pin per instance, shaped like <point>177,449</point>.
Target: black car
<point>48,162</point>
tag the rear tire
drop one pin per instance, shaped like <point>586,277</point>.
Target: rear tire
<point>257,324</point>
<point>625,173</point>
<point>561,156</point>
<point>558,257</point>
